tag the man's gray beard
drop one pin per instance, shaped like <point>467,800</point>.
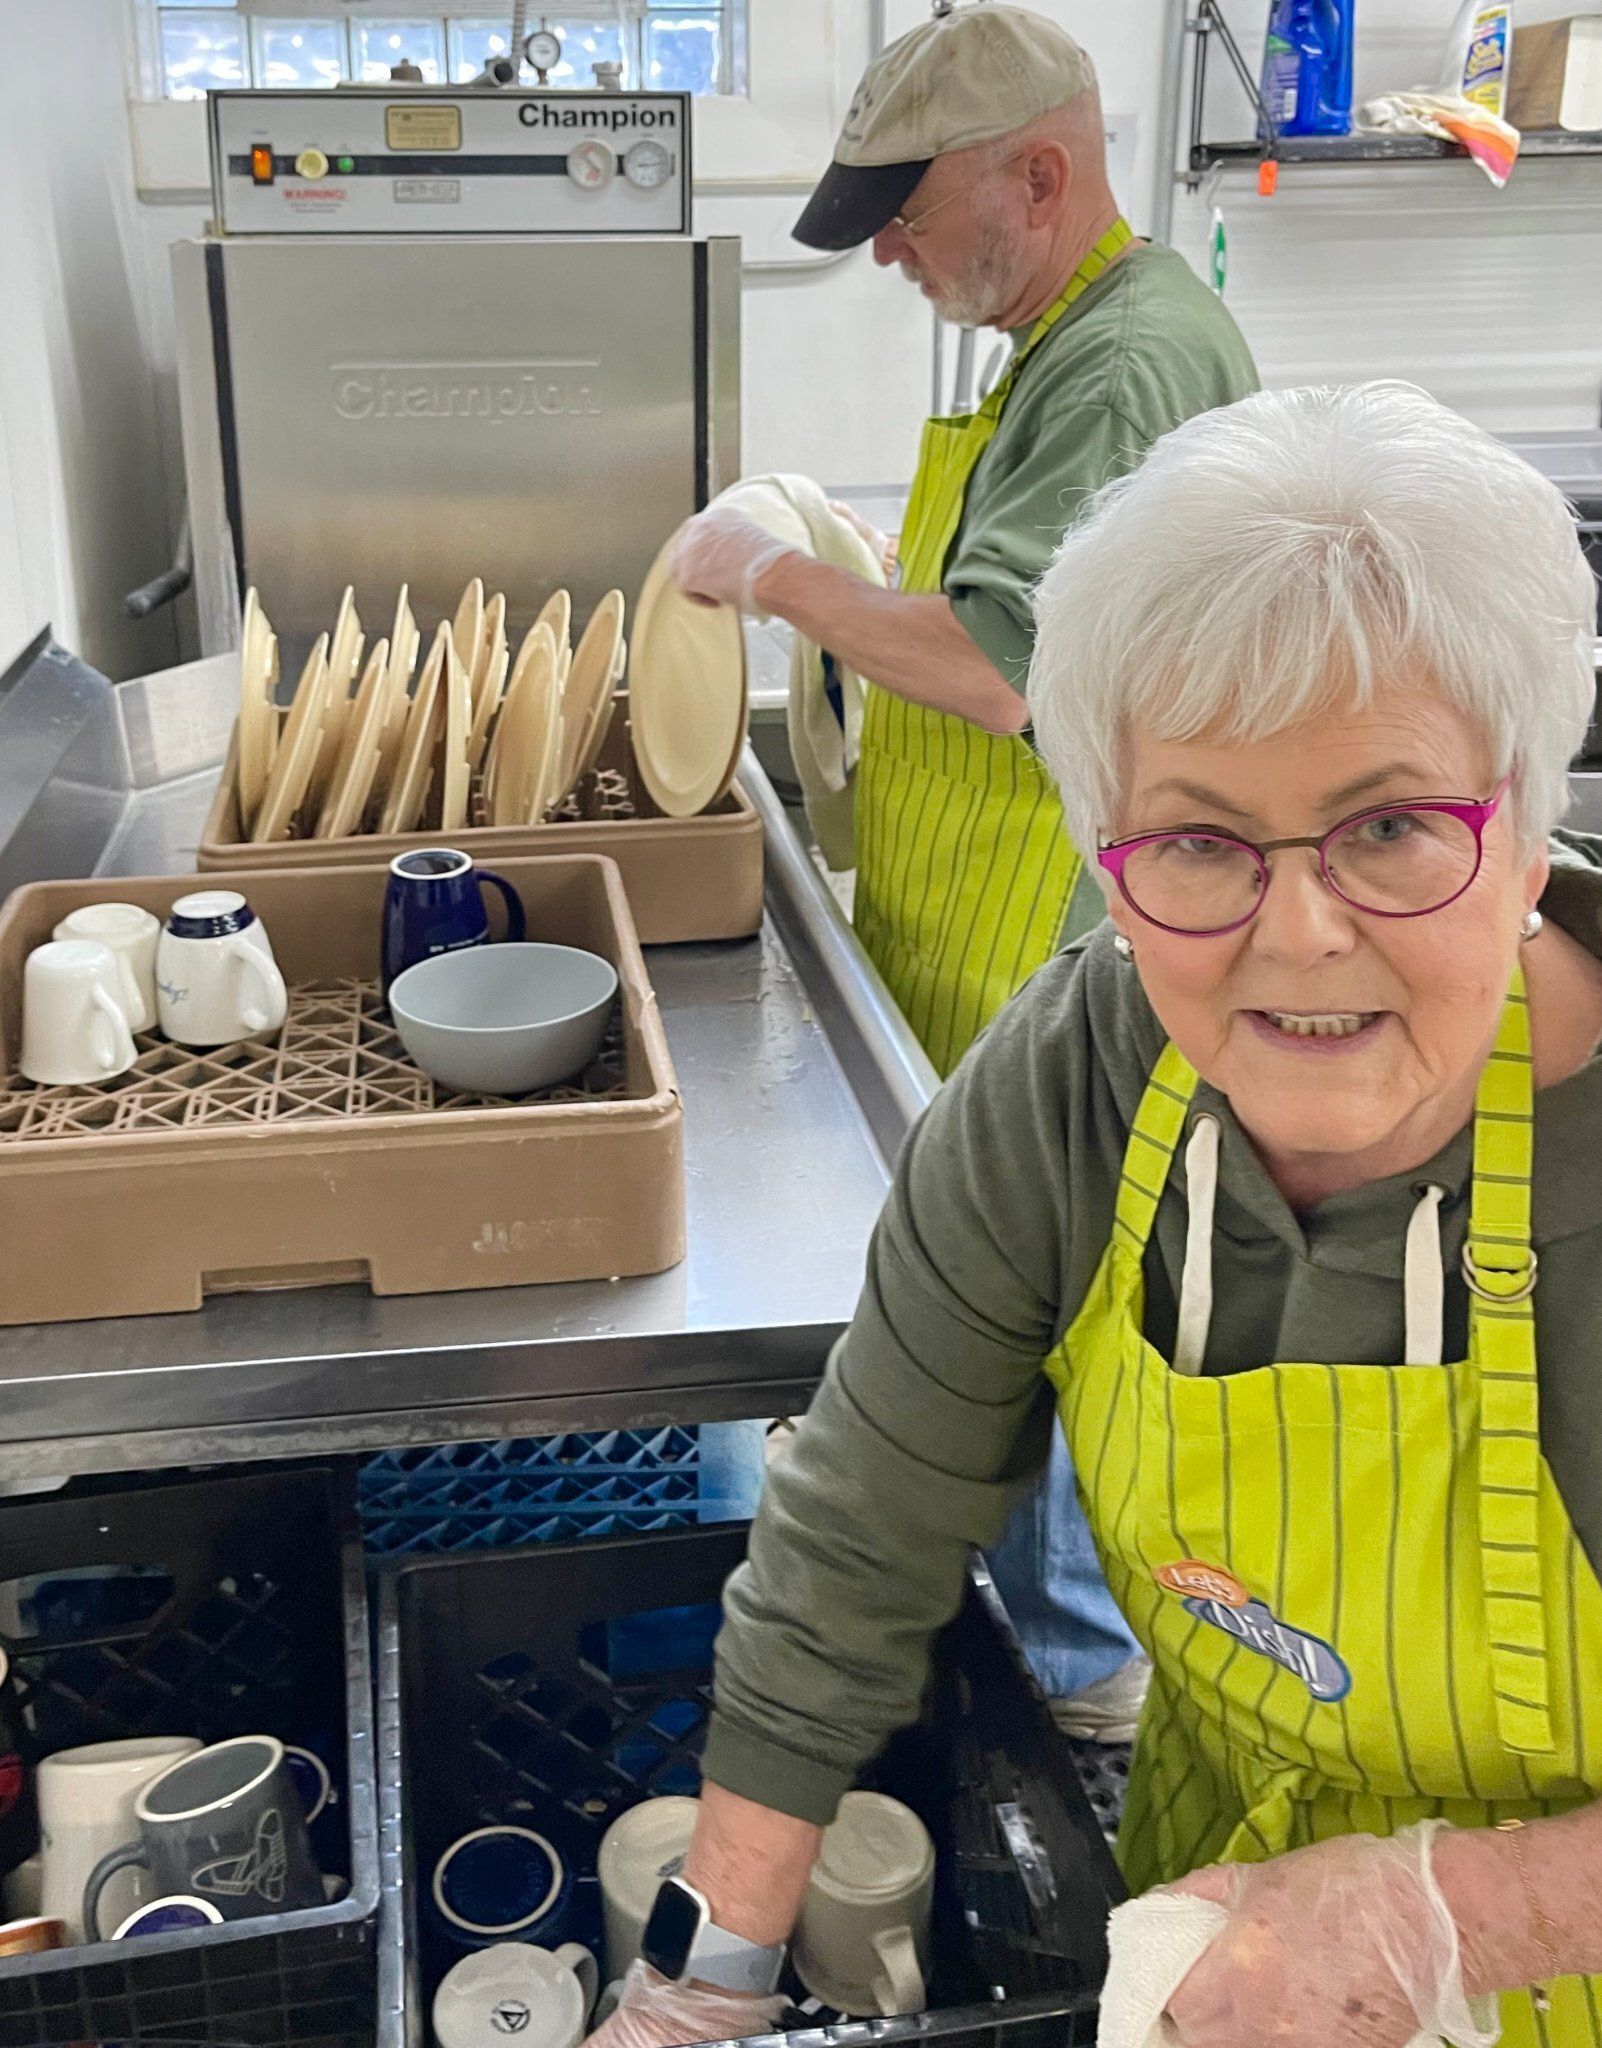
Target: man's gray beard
<point>977,298</point>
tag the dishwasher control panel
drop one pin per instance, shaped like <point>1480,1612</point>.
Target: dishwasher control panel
<point>398,160</point>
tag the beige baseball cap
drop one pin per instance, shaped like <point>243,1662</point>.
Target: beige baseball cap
<point>970,76</point>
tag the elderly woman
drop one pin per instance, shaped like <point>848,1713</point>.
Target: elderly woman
<point>1279,1195</point>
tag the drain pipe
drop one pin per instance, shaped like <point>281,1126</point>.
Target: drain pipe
<point>1170,93</point>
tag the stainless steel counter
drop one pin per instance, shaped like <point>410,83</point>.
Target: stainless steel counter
<point>799,1079</point>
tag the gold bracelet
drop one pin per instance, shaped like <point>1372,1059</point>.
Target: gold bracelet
<point>1541,1927</point>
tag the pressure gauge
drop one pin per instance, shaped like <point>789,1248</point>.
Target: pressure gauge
<point>648,165</point>
<point>592,165</point>
<point>543,49</point>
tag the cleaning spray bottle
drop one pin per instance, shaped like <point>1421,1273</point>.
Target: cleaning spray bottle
<point>1306,78</point>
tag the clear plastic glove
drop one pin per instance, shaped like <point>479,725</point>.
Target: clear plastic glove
<point>721,555</point>
<point>1346,1945</point>
<point>878,545</point>
<point>652,2013</point>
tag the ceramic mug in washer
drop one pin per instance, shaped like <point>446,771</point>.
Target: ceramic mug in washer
<point>541,1996</point>
<point>74,1026</point>
<point>131,935</point>
<point>862,1941</point>
<point>216,979</point>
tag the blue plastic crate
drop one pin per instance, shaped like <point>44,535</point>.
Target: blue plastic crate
<point>487,1496</point>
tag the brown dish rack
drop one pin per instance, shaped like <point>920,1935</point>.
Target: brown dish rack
<point>686,878</point>
<point>323,1155</point>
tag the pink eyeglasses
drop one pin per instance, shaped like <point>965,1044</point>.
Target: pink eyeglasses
<point>1396,860</point>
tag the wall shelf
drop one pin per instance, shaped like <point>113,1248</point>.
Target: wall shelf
<point>1206,157</point>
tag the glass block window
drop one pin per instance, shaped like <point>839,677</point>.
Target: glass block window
<point>670,45</point>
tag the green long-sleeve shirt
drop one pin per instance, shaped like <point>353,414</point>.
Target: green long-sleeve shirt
<point>1147,346</point>
<point>935,1412</point>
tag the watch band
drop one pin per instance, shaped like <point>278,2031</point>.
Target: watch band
<point>733,1963</point>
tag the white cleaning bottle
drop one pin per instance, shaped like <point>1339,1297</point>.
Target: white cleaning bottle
<point>1479,54</point>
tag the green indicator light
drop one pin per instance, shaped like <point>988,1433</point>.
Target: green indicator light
<point>344,163</point>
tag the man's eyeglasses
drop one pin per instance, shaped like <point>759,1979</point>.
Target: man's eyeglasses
<point>1396,860</point>
<point>915,225</point>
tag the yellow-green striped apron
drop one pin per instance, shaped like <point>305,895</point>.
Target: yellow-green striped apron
<point>1362,1594</point>
<point>964,870</point>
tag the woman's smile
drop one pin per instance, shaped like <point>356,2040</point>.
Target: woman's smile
<point>1317,1031</point>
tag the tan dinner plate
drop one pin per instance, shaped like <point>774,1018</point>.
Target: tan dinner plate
<point>345,645</point>
<point>526,734</point>
<point>687,694</point>
<point>357,765</point>
<point>404,640</point>
<point>538,645</point>
<point>297,749</point>
<point>467,628</point>
<point>403,806</point>
<point>455,731</point>
<point>587,694</point>
<point>258,720</point>
<point>493,637</point>
<point>487,703</point>
<point>557,613</point>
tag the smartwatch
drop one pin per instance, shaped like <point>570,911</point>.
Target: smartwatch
<point>681,1942</point>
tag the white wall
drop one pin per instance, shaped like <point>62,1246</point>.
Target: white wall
<point>83,497</point>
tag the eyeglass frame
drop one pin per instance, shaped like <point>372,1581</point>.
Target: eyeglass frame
<point>914,227</point>
<point>1474,812</point>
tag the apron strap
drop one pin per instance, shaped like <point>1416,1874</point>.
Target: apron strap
<point>1111,245</point>
<point>1499,1264</point>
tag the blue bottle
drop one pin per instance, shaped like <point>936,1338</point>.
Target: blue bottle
<point>1306,78</point>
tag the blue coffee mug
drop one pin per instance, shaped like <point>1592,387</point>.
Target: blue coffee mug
<point>501,1884</point>
<point>434,904</point>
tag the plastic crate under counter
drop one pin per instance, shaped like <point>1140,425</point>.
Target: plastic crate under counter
<point>542,1694</point>
<point>559,1489</point>
<point>216,1605</point>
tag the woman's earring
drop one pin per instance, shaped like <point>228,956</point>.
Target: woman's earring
<point>1533,921</point>
<point>1125,948</point>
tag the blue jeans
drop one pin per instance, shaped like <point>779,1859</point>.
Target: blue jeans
<point>1046,1570</point>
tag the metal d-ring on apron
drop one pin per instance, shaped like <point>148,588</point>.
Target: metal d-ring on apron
<point>964,870</point>
<point>1363,1596</point>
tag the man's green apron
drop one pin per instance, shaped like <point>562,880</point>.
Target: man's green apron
<point>1362,1594</point>
<point>964,870</point>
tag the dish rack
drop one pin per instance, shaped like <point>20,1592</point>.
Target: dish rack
<point>685,878</point>
<point>324,1156</point>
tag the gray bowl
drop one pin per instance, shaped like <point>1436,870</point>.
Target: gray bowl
<point>504,1020</point>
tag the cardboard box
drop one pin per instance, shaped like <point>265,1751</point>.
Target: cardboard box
<point>328,1157</point>
<point>1556,75</point>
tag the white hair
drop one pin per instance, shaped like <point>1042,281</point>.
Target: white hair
<point>1299,550</point>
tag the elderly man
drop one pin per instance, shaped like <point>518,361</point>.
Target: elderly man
<point>974,158</point>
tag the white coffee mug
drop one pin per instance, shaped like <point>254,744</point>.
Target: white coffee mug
<point>216,978</point>
<point>86,1809</point>
<point>638,1850</point>
<point>74,1026</point>
<point>131,934</point>
<point>862,1941</point>
<point>540,1995</point>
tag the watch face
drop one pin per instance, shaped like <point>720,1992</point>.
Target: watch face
<point>676,1919</point>
<point>543,49</point>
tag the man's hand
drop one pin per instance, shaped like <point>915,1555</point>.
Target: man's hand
<point>882,549</point>
<point>721,556</point>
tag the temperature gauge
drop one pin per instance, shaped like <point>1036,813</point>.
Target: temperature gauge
<point>592,165</point>
<point>543,50</point>
<point>648,165</point>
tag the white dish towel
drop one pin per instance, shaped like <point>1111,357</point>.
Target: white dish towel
<point>1153,1944</point>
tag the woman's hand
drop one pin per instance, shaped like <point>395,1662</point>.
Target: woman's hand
<point>1346,1945</point>
<point>652,2013</point>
